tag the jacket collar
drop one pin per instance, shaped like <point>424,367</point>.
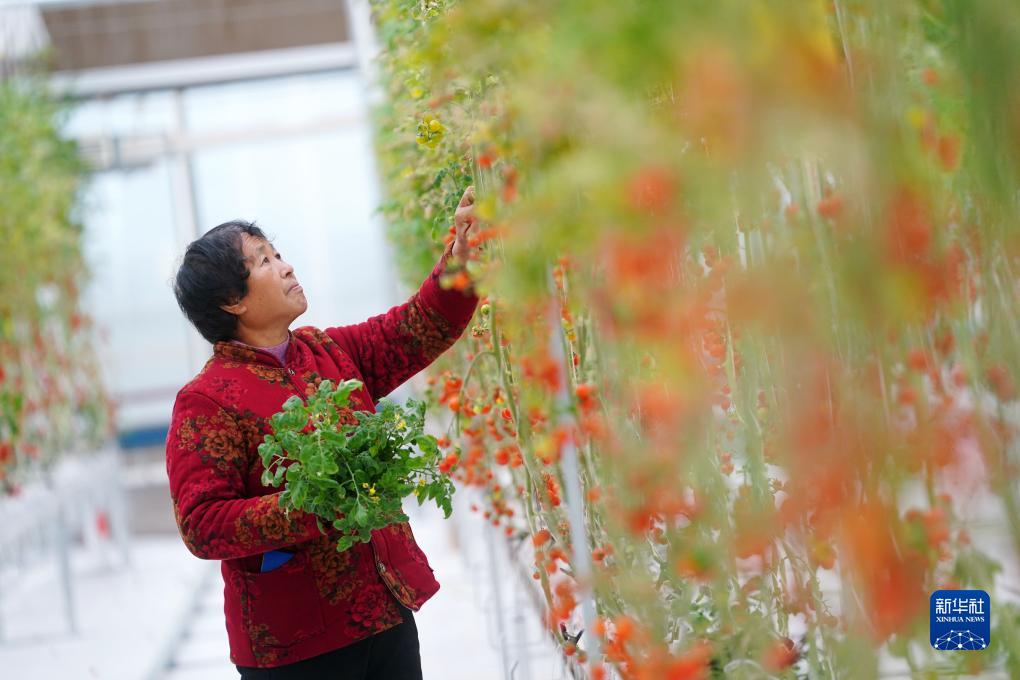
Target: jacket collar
<point>245,354</point>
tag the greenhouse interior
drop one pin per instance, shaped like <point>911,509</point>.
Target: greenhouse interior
<point>509,339</point>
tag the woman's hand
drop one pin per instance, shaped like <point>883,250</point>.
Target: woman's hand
<point>465,224</point>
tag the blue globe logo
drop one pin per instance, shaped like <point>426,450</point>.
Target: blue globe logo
<point>960,639</point>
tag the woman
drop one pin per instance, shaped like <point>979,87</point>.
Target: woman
<point>295,607</point>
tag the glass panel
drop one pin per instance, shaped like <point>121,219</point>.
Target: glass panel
<point>123,115</point>
<point>272,102</point>
<point>132,251</point>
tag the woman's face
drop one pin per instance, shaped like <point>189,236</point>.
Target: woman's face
<point>274,297</point>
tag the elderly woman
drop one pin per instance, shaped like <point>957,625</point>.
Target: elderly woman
<point>295,607</point>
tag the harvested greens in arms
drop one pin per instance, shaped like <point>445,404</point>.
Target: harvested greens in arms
<point>353,476</point>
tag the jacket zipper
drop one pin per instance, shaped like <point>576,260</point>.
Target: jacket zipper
<point>289,372</point>
<point>290,378</point>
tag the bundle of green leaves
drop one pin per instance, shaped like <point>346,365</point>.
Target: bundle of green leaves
<point>353,476</point>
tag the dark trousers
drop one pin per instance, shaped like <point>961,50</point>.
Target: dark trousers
<point>390,655</point>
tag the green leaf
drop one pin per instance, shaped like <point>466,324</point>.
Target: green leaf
<point>427,444</point>
<point>295,420</point>
<point>266,450</point>
<point>291,441</point>
<point>298,491</point>
<point>360,514</point>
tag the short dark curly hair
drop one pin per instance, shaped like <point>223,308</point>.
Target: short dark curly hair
<point>213,273</point>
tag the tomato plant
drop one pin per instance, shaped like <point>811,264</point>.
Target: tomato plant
<point>52,400</point>
<point>751,267</point>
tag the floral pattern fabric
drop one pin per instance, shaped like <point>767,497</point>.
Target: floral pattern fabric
<point>321,599</point>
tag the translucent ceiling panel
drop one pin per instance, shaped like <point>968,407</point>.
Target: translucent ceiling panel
<point>149,113</point>
<point>275,102</point>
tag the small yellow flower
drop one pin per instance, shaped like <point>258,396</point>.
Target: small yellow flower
<point>364,485</point>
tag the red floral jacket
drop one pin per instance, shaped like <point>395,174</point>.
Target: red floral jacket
<point>321,599</point>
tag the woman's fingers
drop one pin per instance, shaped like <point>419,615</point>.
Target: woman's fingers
<point>465,221</point>
<point>464,217</point>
